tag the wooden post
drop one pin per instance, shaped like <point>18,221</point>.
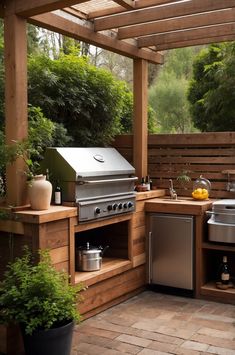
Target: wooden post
<point>140,126</point>
<point>16,121</point>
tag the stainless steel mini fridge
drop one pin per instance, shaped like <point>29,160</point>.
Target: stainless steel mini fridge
<point>171,250</point>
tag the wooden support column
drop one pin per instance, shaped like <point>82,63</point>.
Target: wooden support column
<point>16,120</point>
<point>140,126</point>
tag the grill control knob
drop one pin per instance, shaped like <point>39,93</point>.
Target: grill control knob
<point>130,204</point>
<point>109,207</point>
<point>97,210</point>
<point>115,206</point>
<point>120,206</point>
<point>125,205</point>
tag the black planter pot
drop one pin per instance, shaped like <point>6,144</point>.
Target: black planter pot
<point>55,341</point>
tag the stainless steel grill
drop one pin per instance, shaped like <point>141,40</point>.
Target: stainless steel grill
<point>99,180</point>
<point>221,225</point>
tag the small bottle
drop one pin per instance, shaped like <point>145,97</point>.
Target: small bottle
<point>224,272</point>
<point>47,175</point>
<point>147,181</point>
<point>143,181</point>
<point>151,184</point>
<point>58,194</point>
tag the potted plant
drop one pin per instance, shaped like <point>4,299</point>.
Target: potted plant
<point>39,189</point>
<point>42,301</point>
<point>184,179</point>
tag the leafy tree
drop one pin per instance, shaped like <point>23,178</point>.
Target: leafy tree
<point>86,100</point>
<point>169,101</point>
<point>167,95</point>
<point>33,39</point>
<point>212,89</point>
<point>1,42</point>
<point>42,133</point>
<point>121,67</point>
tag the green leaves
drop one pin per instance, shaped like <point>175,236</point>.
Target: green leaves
<point>211,91</point>
<point>36,295</point>
<point>168,95</point>
<point>89,101</point>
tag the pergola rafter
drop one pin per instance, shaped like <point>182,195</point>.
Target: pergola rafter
<point>144,23</point>
<point>60,24</point>
<point>188,34</point>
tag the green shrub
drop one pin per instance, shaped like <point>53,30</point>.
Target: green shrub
<point>37,296</point>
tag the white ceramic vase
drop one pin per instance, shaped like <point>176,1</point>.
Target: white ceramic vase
<point>40,192</point>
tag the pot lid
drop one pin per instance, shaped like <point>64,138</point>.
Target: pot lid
<point>224,205</point>
<point>90,248</point>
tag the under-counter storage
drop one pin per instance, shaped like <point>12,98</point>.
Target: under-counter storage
<point>116,258</point>
<point>171,251</point>
<point>212,256</point>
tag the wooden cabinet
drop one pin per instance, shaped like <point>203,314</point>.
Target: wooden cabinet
<point>208,255</point>
<point>123,271</point>
<point>187,206</point>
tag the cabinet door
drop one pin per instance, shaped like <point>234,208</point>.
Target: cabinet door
<point>172,251</point>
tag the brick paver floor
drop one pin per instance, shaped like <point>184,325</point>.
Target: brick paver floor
<point>156,324</point>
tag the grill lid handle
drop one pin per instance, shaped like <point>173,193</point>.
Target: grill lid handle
<point>99,158</point>
<point>81,182</point>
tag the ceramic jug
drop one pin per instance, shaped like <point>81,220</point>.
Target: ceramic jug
<point>40,191</point>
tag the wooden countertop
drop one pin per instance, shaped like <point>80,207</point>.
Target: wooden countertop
<point>184,205</point>
<point>150,194</point>
<point>52,214</point>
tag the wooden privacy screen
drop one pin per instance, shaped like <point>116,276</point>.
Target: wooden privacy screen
<point>171,155</point>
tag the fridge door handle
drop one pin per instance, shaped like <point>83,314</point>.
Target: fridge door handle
<point>150,258</point>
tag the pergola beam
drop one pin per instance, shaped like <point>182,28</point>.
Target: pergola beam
<point>196,42</point>
<point>28,8</point>
<point>160,13</point>
<point>54,22</point>
<point>181,23</point>
<point>127,4</point>
<point>192,34</point>
<point>139,4</point>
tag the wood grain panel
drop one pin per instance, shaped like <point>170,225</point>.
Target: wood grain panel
<point>140,206</point>
<point>207,154</point>
<point>109,290</point>
<point>139,260</point>
<point>54,234</point>
<point>138,219</point>
<point>139,248</point>
<point>138,233</point>
<point>59,255</point>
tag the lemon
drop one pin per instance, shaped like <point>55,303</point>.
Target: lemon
<point>199,190</point>
<point>200,194</point>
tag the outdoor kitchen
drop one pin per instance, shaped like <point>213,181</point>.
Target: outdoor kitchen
<point>108,231</point>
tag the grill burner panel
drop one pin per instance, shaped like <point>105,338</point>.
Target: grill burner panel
<point>98,180</point>
<point>104,208</point>
<point>221,225</point>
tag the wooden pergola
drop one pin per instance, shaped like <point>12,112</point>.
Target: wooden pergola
<point>139,29</point>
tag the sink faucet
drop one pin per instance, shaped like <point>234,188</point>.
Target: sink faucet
<point>172,191</point>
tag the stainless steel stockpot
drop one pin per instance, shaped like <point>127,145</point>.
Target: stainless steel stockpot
<point>89,258</point>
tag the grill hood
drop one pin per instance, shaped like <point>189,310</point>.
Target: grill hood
<point>78,163</point>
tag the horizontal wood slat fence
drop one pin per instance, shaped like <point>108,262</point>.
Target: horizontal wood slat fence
<point>169,155</point>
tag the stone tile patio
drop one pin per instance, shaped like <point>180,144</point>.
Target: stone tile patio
<point>156,324</point>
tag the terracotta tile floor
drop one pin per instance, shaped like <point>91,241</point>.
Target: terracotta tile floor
<point>152,323</point>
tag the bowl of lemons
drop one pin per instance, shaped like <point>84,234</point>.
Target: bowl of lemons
<point>201,189</point>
